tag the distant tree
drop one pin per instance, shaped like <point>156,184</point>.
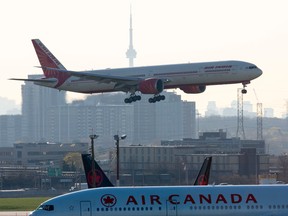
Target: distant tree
<point>72,162</point>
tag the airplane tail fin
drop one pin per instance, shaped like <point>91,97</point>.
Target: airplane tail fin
<point>98,179</point>
<point>47,61</point>
<point>203,175</point>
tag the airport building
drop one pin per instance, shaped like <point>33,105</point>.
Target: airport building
<point>182,159</point>
<point>10,129</point>
<point>217,142</point>
<point>39,154</point>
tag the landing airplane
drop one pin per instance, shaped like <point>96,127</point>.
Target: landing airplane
<point>215,200</point>
<point>99,179</point>
<point>191,78</point>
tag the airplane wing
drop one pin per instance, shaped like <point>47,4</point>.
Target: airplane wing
<point>99,77</point>
<point>104,78</point>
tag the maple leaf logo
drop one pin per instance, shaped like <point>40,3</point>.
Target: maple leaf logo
<point>203,180</point>
<point>108,200</point>
<point>96,176</point>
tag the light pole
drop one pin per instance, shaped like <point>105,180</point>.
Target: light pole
<point>117,139</point>
<point>92,137</point>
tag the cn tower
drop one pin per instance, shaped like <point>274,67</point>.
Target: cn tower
<point>131,52</point>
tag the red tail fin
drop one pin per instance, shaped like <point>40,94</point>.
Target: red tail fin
<point>48,60</point>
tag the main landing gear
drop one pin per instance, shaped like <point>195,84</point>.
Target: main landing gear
<point>132,98</point>
<point>156,98</point>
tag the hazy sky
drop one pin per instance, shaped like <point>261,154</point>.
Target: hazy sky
<point>94,35</point>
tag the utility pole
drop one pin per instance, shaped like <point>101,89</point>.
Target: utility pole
<point>92,137</point>
<point>117,139</point>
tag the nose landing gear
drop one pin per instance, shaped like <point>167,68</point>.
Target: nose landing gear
<point>244,91</point>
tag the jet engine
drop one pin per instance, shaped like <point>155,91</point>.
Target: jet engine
<point>151,86</point>
<point>193,89</point>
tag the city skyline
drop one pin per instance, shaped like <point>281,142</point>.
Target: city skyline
<point>174,32</point>
<point>229,110</point>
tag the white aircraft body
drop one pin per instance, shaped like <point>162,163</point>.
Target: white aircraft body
<point>192,78</point>
<point>245,200</point>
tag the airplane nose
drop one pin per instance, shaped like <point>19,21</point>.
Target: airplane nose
<point>259,72</point>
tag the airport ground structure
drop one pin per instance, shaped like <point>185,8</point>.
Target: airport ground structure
<point>178,161</point>
<point>170,163</point>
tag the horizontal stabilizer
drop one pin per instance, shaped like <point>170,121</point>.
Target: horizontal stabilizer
<point>49,80</point>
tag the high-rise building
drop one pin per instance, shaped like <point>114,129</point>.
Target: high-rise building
<point>47,117</point>
<point>10,129</point>
<point>75,122</point>
<point>169,119</point>
<point>36,101</point>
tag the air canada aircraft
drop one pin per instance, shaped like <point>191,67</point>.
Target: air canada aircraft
<point>192,78</point>
<point>99,179</point>
<point>211,200</point>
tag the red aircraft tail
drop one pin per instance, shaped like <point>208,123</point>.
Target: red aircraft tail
<point>48,61</point>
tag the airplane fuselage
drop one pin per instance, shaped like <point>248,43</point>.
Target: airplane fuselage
<point>177,200</point>
<point>177,75</point>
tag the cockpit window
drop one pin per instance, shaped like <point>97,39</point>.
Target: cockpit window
<point>252,67</point>
<point>46,207</point>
